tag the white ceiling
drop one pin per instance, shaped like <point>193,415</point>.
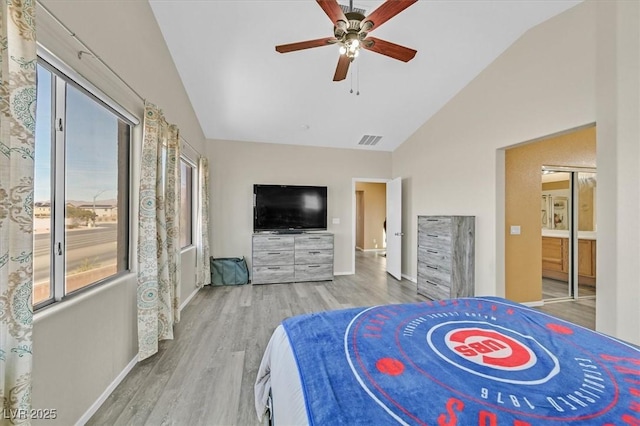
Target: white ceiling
<point>242,89</point>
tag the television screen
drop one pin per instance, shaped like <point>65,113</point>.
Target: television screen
<point>289,208</point>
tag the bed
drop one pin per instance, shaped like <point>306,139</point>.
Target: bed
<point>483,360</point>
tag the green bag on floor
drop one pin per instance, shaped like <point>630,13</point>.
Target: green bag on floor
<point>229,271</point>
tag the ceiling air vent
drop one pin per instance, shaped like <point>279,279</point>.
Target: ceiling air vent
<point>369,140</point>
<point>345,9</point>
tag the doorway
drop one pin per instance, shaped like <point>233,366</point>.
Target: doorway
<point>569,223</point>
<point>373,222</point>
<point>371,209</point>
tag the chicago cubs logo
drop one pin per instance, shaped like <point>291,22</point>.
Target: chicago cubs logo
<point>493,352</point>
<point>480,361</point>
<point>490,348</point>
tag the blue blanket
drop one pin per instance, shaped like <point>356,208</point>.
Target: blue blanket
<point>473,361</point>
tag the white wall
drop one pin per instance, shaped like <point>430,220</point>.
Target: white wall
<point>237,166</point>
<point>82,344</point>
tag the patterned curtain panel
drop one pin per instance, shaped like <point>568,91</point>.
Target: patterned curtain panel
<point>159,229</point>
<point>17,140</point>
<point>202,249</point>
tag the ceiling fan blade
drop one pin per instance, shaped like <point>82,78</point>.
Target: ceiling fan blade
<point>301,45</point>
<point>333,10</point>
<point>389,49</point>
<point>386,11</point>
<point>342,68</point>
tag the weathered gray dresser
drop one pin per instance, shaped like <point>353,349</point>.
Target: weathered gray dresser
<point>446,256</point>
<point>292,258</point>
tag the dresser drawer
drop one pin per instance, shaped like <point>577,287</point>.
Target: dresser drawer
<point>272,274</point>
<point>432,290</point>
<point>322,272</point>
<point>273,242</point>
<point>435,257</point>
<point>314,242</point>
<point>436,242</point>
<point>434,274</point>
<point>439,225</point>
<point>303,257</point>
<point>273,257</point>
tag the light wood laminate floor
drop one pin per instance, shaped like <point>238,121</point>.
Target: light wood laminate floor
<point>205,375</point>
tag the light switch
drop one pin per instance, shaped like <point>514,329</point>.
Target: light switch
<point>515,229</point>
<point>336,221</point>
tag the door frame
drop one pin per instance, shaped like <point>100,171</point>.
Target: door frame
<point>353,215</point>
<point>574,293</point>
<point>359,221</point>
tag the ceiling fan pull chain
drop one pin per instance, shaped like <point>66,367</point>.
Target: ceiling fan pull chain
<point>351,91</point>
<point>358,79</point>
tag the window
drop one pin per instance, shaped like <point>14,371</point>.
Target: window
<point>81,189</point>
<point>186,203</point>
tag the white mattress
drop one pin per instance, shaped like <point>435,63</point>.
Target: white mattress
<point>278,375</point>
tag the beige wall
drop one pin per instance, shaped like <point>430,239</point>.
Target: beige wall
<point>237,166</point>
<point>578,68</point>
<point>545,83</point>
<point>523,254</point>
<point>82,344</point>
<point>375,213</point>
<point>453,165</point>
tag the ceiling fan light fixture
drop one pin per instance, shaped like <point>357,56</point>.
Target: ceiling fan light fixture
<point>350,45</point>
<point>351,27</point>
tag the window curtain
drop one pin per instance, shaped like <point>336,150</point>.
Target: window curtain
<point>202,248</point>
<point>17,141</point>
<point>159,233</point>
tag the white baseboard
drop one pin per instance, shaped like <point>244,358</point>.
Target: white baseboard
<point>188,299</point>
<point>96,405</point>
<point>407,277</point>
<point>344,273</point>
<point>533,304</point>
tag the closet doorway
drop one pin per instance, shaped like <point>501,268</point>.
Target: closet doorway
<point>568,231</point>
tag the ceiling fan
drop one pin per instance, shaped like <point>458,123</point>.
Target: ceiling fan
<point>351,32</point>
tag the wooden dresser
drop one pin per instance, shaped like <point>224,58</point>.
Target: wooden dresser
<point>446,248</point>
<point>282,258</point>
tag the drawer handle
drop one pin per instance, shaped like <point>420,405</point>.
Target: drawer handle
<point>432,251</point>
<point>314,266</point>
<point>433,220</point>
<point>274,254</point>
<point>431,282</point>
<point>314,252</point>
<point>273,267</point>
<point>432,235</point>
<point>432,267</point>
<point>273,238</point>
<point>314,238</point>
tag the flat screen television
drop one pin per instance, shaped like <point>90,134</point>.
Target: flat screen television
<point>289,208</point>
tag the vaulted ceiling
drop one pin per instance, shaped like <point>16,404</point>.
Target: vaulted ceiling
<point>242,89</point>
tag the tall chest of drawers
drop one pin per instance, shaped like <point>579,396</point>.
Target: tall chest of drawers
<point>291,258</point>
<point>446,249</point>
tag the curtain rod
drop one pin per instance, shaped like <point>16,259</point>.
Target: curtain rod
<point>90,52</point>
